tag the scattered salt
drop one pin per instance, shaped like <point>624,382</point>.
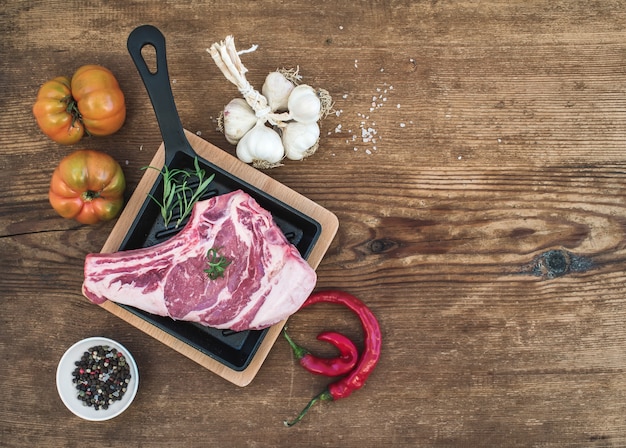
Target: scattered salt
<point>367,135</point>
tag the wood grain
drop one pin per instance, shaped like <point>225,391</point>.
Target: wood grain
<point>475,162</point>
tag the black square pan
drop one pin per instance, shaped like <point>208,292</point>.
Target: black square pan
<point>233,349</point>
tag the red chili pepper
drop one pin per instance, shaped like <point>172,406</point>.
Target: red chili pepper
<point>371,352</point>
<point>340,365</point>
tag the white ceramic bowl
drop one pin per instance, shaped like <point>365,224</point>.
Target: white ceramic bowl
<point>67,389</point>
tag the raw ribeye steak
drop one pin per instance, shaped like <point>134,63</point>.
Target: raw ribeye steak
<point>266,281</point>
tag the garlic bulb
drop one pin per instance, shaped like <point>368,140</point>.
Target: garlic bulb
<point>280,121</point>
<point>304,104</point>
<point>300,139</point>
<point>277,89</point>
<point>261,144</point>
<point>237,119</point>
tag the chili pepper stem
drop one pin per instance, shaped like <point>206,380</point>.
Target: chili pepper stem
<point>299,352</point>
<point>323,396</point>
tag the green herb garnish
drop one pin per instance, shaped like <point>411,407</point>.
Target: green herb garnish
<point>217,264</point>
<point>178,194</point>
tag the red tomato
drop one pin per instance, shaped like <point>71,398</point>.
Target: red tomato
<point>87,186</point>
<point>91,102</point>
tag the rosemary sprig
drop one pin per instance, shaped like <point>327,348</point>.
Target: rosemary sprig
<point>217,263</point>
<point>178,194</point>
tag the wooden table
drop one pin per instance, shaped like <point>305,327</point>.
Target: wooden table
<point>476,162</point>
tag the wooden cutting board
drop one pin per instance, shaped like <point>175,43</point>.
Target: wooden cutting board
<point>328,221</point>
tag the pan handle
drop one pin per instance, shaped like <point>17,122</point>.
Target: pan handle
<point>159,89</point>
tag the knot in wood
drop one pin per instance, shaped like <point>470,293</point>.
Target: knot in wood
<point>381,245</point>
<point>558,262</point>
<point>552,264</point>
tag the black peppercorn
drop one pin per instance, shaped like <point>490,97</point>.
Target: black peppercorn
<point>101,377</point>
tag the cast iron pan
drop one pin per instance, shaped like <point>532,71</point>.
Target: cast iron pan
<point>234,349</point>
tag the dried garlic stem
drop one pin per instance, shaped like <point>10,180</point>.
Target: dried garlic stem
<point>228,61</point>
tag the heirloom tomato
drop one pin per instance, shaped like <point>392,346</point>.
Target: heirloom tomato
<point>54,113</point>
<point>91,102</point>
<point>87,186</point>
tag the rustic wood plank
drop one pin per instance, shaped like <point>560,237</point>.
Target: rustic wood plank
<point>484,226</point>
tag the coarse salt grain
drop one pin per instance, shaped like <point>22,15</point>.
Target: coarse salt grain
<point>368,133</point>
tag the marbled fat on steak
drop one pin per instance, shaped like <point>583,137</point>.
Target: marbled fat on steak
<point>266,282</point>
